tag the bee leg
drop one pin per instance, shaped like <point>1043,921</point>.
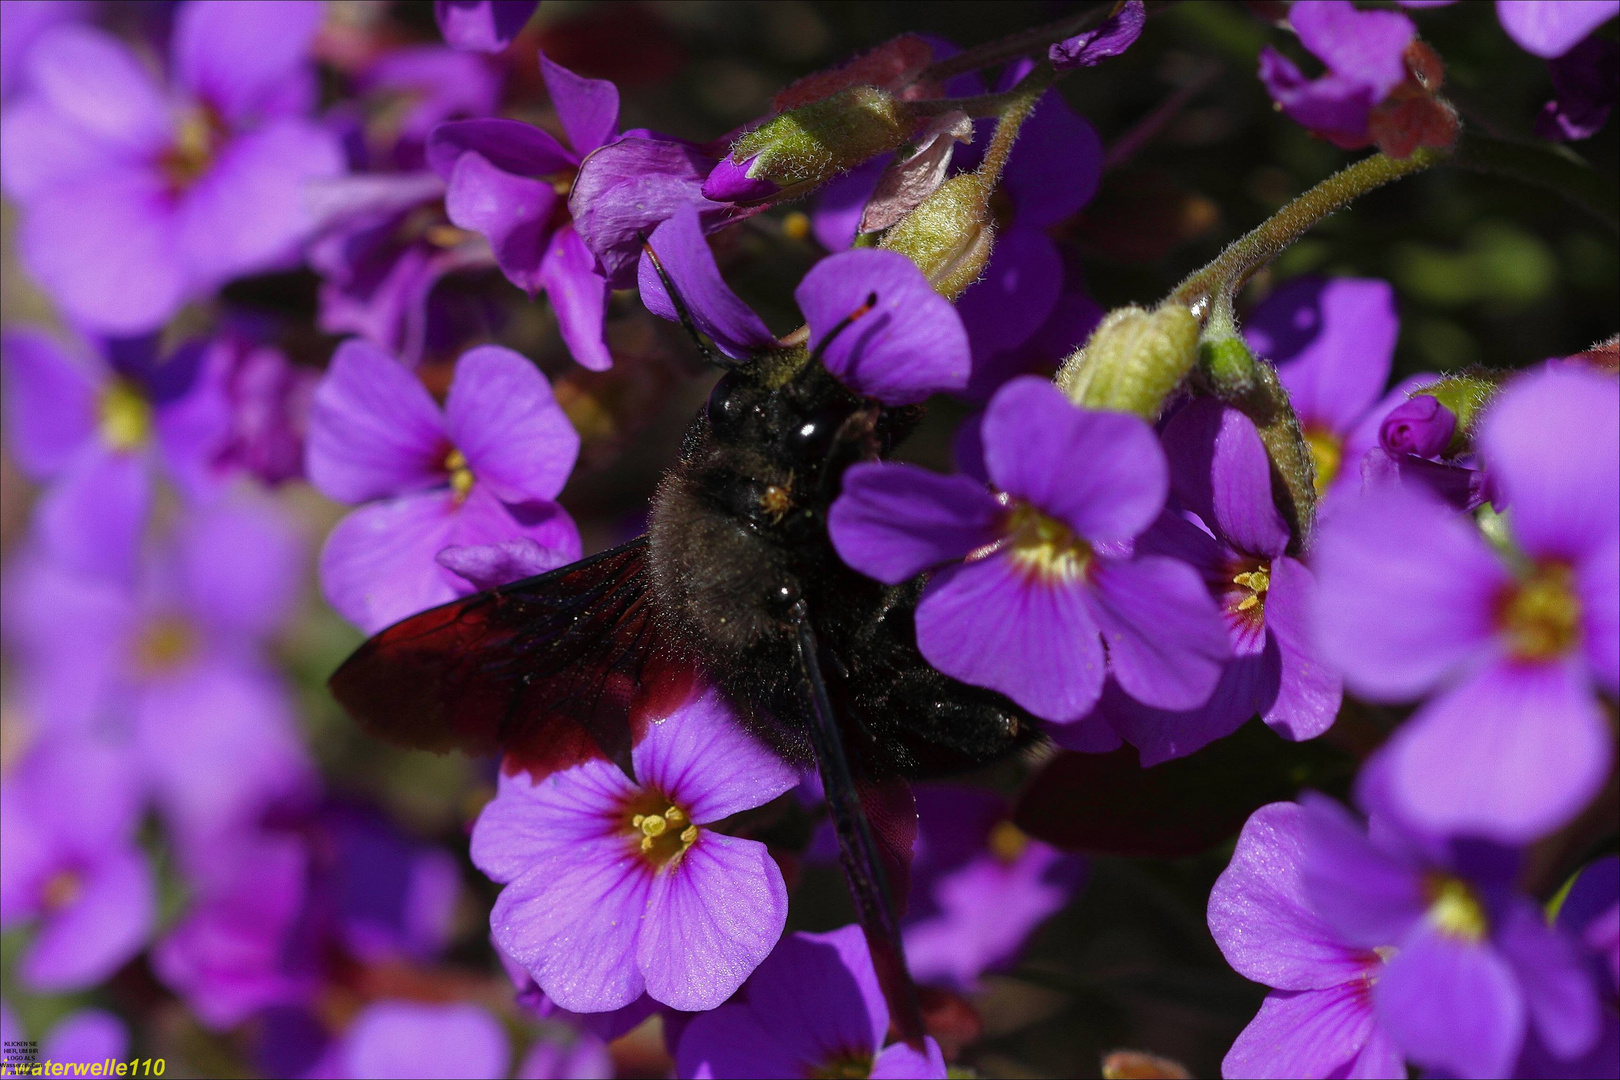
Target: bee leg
<point>868,884</point>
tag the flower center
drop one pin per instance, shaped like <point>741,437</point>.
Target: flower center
<point>1252,587</point>
<point>1327,451</point>
<point>195,139</point>
<point>1454,909</point>
<point>661,830</point>
<point>61,889</point>
<point>1007,841</point>
<point>125,416</point>
<point>843,1067</point>
<point>461,477</point>
<point>1540,615</point>
<point>165,644</point>
<point>1043,547</point>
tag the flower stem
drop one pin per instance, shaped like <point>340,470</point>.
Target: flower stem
<point>1014,45</point>
<point>1214,286</point>
<point>1020,102</point>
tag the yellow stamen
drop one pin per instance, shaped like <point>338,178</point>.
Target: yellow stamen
<point>1258,582</point>
<point>193,149</point>
<point>1541,615</point>
<point>658,834</point>
<point>461,477</point>
<point>61,889</point>
<point>125,416</point>
<point>796,225</point>
<point>1045,548</point>
<point>164,645</point>
<point>1455,910</point>
<point>1007,841</point>
<point>1327,451</point>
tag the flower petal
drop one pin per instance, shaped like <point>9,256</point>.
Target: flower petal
<point>240,57</point>
<point>95,81</point>
<point>502,415</point>
<point>1451,1004</point>
<point>1167,645</point>
<point>1263,919</point>
<point>901,1061</point>
<point>587,108</point>
<point>1406,593</point>
<point>1056,164</point>
<point>711,919</point>
<point>406,1039</point>
<point>1310,691</point>
<point>1102,473</point>
<point>1333,341</point>
<point>909,345</point>
<point>1510,754</point>
<point>734,1042</point>
<point>1597,589</point>
<point>90,521</point>
<point>373,428</point>
<point>95,935</point>
<point>702,757</point>
<point>1540,439</point>
<point>579,298</point>
<point>1219,470</point>
<point>572,921</point>
<point>1548,29</point>
<point>1559,991</point>
<point>378,564</point>
<point>990,625</point>
<point>242,566</point>
<point>1366,46</point>
<point>715,310</point>
<point>1304,1033</point>
<point>1017,293</point>
<point>50,401</point>
<point>482,25</point>
<point>1368,896</point>
<point>824,987</point>
<point>893,521</point>
<point>510,146</point>
<point>86,1037</point>
<point>513,212</point>
<point>1246,684</point>
<point>529,822</point>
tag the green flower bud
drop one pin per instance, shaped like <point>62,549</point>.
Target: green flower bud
<point>949,235</point>
<point>1133,360</point>
<point>815,142</point>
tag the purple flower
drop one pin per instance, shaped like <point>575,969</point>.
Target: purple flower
<point>405,1039</point>
<point>85,1037</point>
<point>1415,602</point>
<point>1586,81</point>
<point>388,898</point>
<point>89,424</point>
<point>1365,56</point>
<point>1041,584</point>
<point>269,399</point>
<point>1591,913</point>
<point>580,1056</point>
<point>507,181</point>
<point>70,863</point>
<point>413,90</point>
<point>1068,325</point>
<point>1333,341</point>
<point>1551,28</point>
<point>813,1008</point>
<point>1420,944</point>
<point>483,470</point>
<point>1420,426</point>
<point>979,886</point>
<point>617,886</point>
<point>138,197</point>
<point>21,22</point>
<point>482,25</point>
<point>1113,36</point>
<point>909,345</point>
<point>1220,472</point>
<point>229,956</point>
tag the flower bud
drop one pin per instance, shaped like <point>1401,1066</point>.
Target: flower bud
<point>949,235</point>
<point>810,145</point>
<point>1420,426</point>
<point>1133,360</point>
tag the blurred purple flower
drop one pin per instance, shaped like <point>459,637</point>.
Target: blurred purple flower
<point>269,399</point>
<point>1586,81</point>
<point>508,181</point>
<point>615,886</point>
<point>1219,471</point>
<point>171,669</point>
<point>412,90</point>
<point>404,1040</point>
<point>1414,601</point>
<point>384,896</point>
<point>1113,36</point>
<point>1551,28</point>
<point>1591,913</point>
<point>577,1056</point>
<point>1364,52</point>
<point>1333,341</point>
<point>1319,1020</point>
<point>89,424</point>
<point>482,470</point>
<point>979,886</point>
<point>69,811</point>
<point>813,1008</point>
<point>1414,441</point>
<point>1073,317</point>
<point>910,344</point>
<point>84,1037</point>
<point>230,955</point>
<point>1041,584</point>
<point>482,25</point>
<point>21,22</point>
<point>138,197</point>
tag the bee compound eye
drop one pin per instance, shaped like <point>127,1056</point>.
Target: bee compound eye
<point>783,596</point>
<point>813,438</point>
<point>726,405</point>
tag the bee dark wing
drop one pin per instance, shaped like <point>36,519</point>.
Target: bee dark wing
<point>553,670</point>
<point>859,849</point>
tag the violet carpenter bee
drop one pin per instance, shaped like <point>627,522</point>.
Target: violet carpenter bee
<point>736,583</point>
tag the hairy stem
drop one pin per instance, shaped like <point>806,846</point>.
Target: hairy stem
<point>1014,45</point>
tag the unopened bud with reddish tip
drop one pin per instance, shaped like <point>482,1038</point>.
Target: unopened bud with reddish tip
<point>1420,426</point>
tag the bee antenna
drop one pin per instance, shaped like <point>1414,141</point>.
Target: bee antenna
<point>844,324</point>
<point>682,312</point>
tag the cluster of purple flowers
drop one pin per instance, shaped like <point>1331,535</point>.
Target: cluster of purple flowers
<point>1139,576</point>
